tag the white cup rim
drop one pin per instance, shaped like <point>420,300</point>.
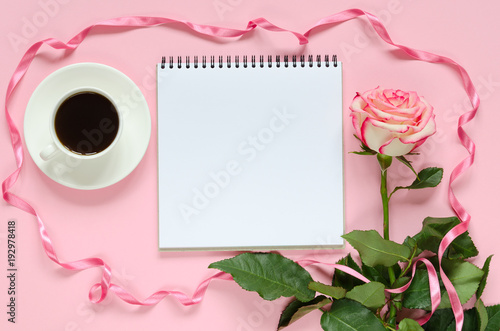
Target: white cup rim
<point>64,149</point>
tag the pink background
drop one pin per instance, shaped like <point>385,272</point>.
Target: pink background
<point>119,223</point>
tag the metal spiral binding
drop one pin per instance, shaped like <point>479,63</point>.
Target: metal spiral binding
<point>253,63</point>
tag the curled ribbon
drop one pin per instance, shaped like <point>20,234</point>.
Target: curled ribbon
<point>144,21</point>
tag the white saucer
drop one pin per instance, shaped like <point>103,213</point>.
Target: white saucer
<point>129,150</point>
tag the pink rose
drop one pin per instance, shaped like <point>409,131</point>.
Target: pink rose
<point>392,122</point>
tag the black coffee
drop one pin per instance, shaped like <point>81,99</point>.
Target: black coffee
<point>86,123</point>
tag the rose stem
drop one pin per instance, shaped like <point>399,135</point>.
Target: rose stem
<point>385,204</point>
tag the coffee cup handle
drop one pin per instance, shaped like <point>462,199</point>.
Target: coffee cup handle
<point>49,152</point>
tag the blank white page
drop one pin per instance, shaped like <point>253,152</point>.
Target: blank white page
<point>250,158</point>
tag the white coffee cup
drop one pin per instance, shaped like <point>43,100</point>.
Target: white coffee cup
<point>90,140</point>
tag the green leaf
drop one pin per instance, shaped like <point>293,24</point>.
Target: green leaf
<point>417,296</point>
<point>471,322</point>
<point>409,324</point>
<point>342,279</point>
<point>464,276</point>
<point>482,283</point>
<point>269,274</point>
<point>332,291</point>
<point>407,163</point>
<point>398,297</point>
<point>377,274</point>
<point>428,177</point>
<point>366,149</point>
<point>364,153</point>
<point>370,295</point>
<point>493,318</point>
<point>297,309</point>
<point>375,250</point>
<point>482,315</point>
<point>412,245</point>
<point>440,320</point>
<point>348,315</point>
<point>433,232</point>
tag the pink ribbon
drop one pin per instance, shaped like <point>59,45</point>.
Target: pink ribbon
<point>433,285</point>
<point>433,282</point>
<point>137,21</point>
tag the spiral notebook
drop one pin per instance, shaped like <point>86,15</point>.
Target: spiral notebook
<point>250,153</point>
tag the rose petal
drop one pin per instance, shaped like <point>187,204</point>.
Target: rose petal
<point>383,111</point>
<point>374,137</point>
<point>395,116</point>
<point>396,148</point>
<point>396,128</point>
<point>370,105</point>
<point>426,113</point>
<point>424,133</point>
<point>418,143</point>
<point>382,105</point>
<point>357,121</point>
<point>396,98</point>
<point>358,104</point>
